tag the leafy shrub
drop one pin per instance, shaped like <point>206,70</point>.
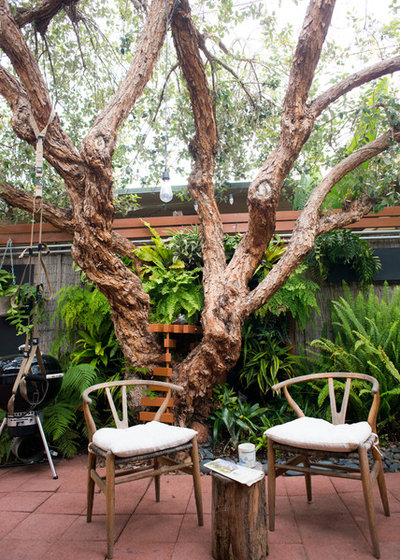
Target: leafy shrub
<point>173,290</point>
<point>266,360</point>
<point>343,247</point>
<point>86,333</point>
<point>236,419</point>
<point>366,339</point>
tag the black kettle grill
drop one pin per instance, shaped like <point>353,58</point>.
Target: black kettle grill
<point>24,424</point>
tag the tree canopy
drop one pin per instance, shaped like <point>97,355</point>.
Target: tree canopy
<point>288,113</point>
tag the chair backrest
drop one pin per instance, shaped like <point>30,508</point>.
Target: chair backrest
<point>112,388</point>
<point>338,416</point>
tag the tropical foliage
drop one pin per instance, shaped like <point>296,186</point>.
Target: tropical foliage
<point>343,247</point>
<point>85,329</point>
<point>173,290</point>
<point>266,360</point>
<point>236,419</point>
<point>366,339</point>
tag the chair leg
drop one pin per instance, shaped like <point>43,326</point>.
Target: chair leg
<point>381,482</point>
<point>90,486</point>
<point>194,452</point>
<point>156,465</point>
<point>110,503</point>
<point>308,479</point>
<point>271,484</point>
<point>369,504</point>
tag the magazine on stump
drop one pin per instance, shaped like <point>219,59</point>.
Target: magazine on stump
<point>236,472</point>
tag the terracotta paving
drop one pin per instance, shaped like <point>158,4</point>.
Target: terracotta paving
<point>44,519</point>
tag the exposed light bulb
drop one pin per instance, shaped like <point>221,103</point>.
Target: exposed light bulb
<point>166,189</point>
<point>231,199</point>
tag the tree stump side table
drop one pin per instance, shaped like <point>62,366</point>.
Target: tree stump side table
<point>238,520</point>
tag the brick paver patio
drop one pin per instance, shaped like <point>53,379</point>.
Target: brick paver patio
<point>44,519</point>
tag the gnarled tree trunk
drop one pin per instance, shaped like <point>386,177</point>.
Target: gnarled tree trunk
<point>87,173</point>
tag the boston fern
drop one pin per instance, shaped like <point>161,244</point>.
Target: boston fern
<point>173,292</point>
<point>343,247</point>
<point>366,339</point>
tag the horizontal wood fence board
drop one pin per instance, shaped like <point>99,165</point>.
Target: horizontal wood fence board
<point>134,228</point>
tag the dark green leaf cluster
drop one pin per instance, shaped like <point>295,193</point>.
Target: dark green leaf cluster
<point>86,333</point>
<point>237,419</point>
<point>266,360</point>
<point>343,247</point>
<point>366,339</point>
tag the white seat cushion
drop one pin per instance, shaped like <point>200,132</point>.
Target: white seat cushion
<point>315,433</point>
<point>141,439</point>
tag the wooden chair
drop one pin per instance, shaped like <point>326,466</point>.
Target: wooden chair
<point>306,438</point>
<point>149,446</point>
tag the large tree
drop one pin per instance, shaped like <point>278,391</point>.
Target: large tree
<point>87,173</point>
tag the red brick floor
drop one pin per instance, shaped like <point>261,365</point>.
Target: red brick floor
<point>44,519</point>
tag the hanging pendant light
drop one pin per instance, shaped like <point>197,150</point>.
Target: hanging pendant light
<point>166,188</point>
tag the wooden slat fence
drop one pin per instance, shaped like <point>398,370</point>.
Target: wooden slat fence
<point>134,228</point>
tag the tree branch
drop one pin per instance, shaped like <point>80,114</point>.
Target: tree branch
<point>58,148</point>
<point>308,51</point>
<point>61,218</point>
<point>41,14</point>
<point>296,126</point>
<point>310,224</point>
<point>204,145</point>
<point>354,80</point>
<point>25,65</point>
<point>213,58</point>
<point>99,144</point>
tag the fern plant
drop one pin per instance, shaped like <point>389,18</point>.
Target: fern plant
<point>297,297</point>
<point>173,290</point>
<point>86,331</point>
<point>366,339</point>
<point>343,247</point>
<point>173,293</point>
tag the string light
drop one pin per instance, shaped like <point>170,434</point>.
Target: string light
<point>166,188</point>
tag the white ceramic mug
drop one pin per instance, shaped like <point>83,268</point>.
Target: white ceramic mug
<point>247,454</point>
